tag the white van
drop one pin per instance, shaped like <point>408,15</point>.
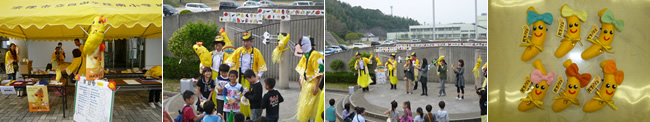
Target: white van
<point>197,7</point>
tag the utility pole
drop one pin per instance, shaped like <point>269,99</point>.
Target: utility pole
<point>391,10</point>
<point>433,26</point>
<point>475,20</point>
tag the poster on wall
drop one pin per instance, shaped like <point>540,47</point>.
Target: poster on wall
<point>37,98</point>
<point>93,101</point>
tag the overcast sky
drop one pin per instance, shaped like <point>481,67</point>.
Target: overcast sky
<point>447,11</point>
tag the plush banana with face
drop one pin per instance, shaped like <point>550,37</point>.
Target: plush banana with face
<point>611,80</point>
<point>542,81</point>
<point>575,81</point>
<point>606,37</point>
<point>534,45</point>
<point>572,37</point>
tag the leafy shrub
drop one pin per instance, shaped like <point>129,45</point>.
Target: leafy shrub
<point>371,67</point>
<point>186,69</point>
<point>185,12</point>
<point>180,44</point>
<point>337,65</point>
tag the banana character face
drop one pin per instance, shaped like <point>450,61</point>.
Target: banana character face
<point>573,87</point>
<point>606,34</point>
<point>609,86</point>
<point>539,32</point>
<point>540,90</point>
<point>98,25</point>
<point>574,26</point>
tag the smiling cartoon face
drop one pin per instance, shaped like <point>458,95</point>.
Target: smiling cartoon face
<point>608,87</point>
<point>572,87</point>
<point>539,32</point>
<point>573,23</point>
<point>540,90</point>
<point>606,34</point>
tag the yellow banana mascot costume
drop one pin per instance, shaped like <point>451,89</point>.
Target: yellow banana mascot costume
<point>277,52</point>
<point>94,56</point>
<point>204,55</point>
<point>310,68</point>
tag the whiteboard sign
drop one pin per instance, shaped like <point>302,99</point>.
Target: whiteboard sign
<point>93,101</point>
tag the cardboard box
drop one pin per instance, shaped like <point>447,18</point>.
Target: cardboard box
<point>25,67</point>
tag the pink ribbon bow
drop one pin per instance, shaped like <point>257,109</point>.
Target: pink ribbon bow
<point>536,76</point>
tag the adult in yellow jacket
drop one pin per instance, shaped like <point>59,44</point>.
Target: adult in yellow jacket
<point>361,65</point>
<point>245,58</point>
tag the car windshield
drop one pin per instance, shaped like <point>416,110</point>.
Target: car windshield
<point>202,6</point>
<point>303,3</point>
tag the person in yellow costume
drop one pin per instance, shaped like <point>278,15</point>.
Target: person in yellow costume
<point>392,69</point>
<point>361,65</point>
<point>416,64</point>
<point>477,70</point>
<point>245,58</point>
<point>57,57</point>
<point>310,68</point>
<point>78,65</point>
<point>218,56</point>
<point>11,61</point>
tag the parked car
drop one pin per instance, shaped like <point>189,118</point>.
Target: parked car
<point>415,40</point>
<point>302,3</point>
<point>336,48</point>
<point>319,3</point>
<point>251,4</point>
<point>329,51</point>
<point>266,3</point>
<point>228,5</point>
<point>169,10</point>
<point>197,7</point>
<point>388,42</point>
<point>359,45</point>
<point>375,43</point>
<point>344,47</point>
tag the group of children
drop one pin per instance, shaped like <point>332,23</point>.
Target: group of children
<point>229,94</point>
<point>420,116</point>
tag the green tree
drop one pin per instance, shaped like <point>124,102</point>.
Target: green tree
<point>337,65</point>
<point>180,44</point>
<point>353,36</point>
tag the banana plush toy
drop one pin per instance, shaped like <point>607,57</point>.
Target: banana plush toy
<point>228,48</point>
<point>606,37</point>
<point>204,55</point>
<point>277,52</point>
<point>438,62</point>
<point>539,21</point>
<point>572,37</point>
<point>575,81</point>
<point>612,79</point>
<point>542,81</point>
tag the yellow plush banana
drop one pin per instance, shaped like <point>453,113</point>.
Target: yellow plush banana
<point>277,52</point>
<point>95,36</point>
<point>575,81</point>
<point>438,62</point>
<point>204,55</point>
<point>155,71</point>
<point>541,80</point>
<point>534,45</point>
<point>606,37</point>
<point>572,36</point>
<point>612,79</point>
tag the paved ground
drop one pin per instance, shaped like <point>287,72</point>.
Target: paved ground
<point>379,98</point>
<point>128,106</point>
<point>287,108</point>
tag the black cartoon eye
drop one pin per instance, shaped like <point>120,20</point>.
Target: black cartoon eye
<point>543,87</point>
<point>575,86</point>
<point>576,24</point>
<point>614,86</point>
<point>534,28</point>
<point>604,31</point>
<point>607,86</point>
<point>540,27</point>
<point>536,85</point>
<point>611,32</point>
<point>570,86</point>
<point>93,22</point>
<point>570,25</point>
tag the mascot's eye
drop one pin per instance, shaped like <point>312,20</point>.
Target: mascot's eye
<point>576,24</point>
<point>614,86</point>
<point>534,28</point>
<point>543,87</point>
<point>575,86</point>
<point>570,25</point>
<point>93,22</point>
<point>570,86</point>
<point>607,86</point>
<point>540,27</point>
<point>611,32</point>
<point>536,85</point>
<point>604,31</point>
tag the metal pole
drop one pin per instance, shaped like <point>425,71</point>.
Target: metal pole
<point>475,20</point>
<point>433,26</point>
<point>285,68</point>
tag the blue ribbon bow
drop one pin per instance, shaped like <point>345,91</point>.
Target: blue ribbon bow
<point>534,17</point>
